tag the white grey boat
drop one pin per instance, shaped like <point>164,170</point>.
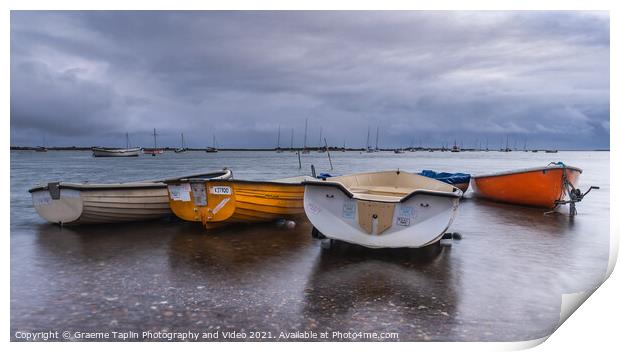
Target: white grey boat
<point>381,209</point>
<point>115,152</point>
<point>69,203</point>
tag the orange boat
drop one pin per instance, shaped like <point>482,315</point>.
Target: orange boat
<point>544,187</point>
<point>219,202</point>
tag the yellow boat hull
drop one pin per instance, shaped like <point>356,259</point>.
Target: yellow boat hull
<point>215,203</point>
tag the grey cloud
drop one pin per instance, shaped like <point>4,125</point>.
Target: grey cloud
<point>91,76</point>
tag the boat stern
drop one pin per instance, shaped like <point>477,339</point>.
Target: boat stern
<point>56,204</point>
<point>417,220</point>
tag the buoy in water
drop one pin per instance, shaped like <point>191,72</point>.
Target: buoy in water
<point>290,224</point>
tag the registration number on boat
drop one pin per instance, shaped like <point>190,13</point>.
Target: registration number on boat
<point>220,190</point>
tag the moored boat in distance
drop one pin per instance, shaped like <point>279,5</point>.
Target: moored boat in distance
<point>182,149</point>
<point>40,149</point>
<point>219,202</point>
<point>68,203</point>
<point>543,187</point>
<point>115,152</point>
<point>551,151</point>
<point>153,151</point>
<point>381,209</point>
<point>455,148</point>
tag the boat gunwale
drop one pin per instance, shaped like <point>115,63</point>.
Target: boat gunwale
<point>147,184</point>
<point>528,170</point>
<point>456,193</point>
<point>202,180</point>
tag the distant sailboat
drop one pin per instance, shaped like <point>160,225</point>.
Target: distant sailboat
<point>377,141</point>
<point>182,149</point>
<point>292,135</point>
<point>507,149</point>
<point>278,149</point>
<point>455,148</point>
<point>321,149</point>
<point>42,148</point>
<point>305,150</point>
<point>153,151</point>
<point>212,149</point>
<point>368,148</point>
<point>116,152</point>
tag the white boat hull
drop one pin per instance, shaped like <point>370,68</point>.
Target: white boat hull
<point>102,152</point>
<point>418,221</point>
<point>102,206</point>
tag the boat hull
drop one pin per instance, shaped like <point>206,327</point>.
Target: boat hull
<point>90,206</point>
<point>215,203</point>
<point>152,151</point>
<point>416,222</point>
<point>102,152</point>
<point>539,187</point>
<point>76,204</point>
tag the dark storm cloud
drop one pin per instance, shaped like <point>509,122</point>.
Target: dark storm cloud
<point>87,77</point>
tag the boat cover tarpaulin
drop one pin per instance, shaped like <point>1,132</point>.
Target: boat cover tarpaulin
<point>451,178</point>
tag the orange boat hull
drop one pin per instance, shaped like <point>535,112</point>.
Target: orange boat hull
<point>537,187</point>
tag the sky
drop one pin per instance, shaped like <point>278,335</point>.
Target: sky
<point>535,79</point>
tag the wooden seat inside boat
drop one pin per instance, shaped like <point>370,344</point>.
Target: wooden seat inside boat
<point>380,192</point>
<point>388,186</point>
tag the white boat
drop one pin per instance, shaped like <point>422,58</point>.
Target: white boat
<point>67,203</point>
<point>115,152</point>
<point>182,149</point>
<point>381,209</point>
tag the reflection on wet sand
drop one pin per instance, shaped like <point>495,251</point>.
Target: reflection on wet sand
<point>406,291</point>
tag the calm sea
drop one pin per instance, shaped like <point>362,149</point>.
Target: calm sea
<point>503,281</point>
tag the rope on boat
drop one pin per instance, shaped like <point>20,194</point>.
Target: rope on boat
<point>574,194</point>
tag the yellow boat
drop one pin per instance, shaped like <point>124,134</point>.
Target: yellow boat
<point>219,202</point>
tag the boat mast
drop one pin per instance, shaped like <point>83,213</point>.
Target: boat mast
<point>155,138</point>
<point>278,147</point>
<point>320,135</point>
<point>306,134</point>
<point>368,139</point>
<point>377,140</point>
<point>292,135</point>
<point>127,139</point>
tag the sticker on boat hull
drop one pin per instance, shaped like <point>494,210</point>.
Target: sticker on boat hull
<point>222,190</point>
<point>313,208</point>
<point>200,195</point>
<point>180,192</point>
<point>405,214</point>
<point>349,210</point>
<point>41,198</point>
